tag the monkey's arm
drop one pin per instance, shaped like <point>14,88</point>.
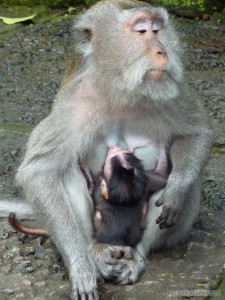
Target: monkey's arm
<point>188,156</point>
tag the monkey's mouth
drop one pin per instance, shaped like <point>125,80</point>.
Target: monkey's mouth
<point>156,73</point>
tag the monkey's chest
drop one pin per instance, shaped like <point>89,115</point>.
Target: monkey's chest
<point>143,147</point>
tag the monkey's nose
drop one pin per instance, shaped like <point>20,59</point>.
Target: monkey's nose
<point>162,51</point>
<point>160,59</point>
<point>159,53</point>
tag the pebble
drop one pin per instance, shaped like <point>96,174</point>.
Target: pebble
<point>8,291</point>
<point>29,269</point>
<point>56,268</point>
<point>29,250</point>
<point>25,264</point>
<point>40,284</point>
<point>18,259</point>
<point>27,282</point>
<point>21,267</point>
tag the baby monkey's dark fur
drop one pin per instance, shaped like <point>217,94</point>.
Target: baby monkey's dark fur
<point>120,216</point>
<point>119,220</point>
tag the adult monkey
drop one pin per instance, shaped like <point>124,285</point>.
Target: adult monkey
<point>128,91</point>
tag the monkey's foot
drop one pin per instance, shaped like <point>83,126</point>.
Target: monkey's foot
<point>76,295</point>
<point>84,282</point>
<point>110,260</point>
<point>132,269</point>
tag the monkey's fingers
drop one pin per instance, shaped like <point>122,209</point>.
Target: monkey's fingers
<point>128,255</point>
<point>111,261</point>
<point>108,266</point>
<point>111,272</point>
<point>165,224</point>
<point>125,278</point>
<point>171,220</point>
<point>84,284</point>
<point>117,252</point>
<point>166,220</point>
<point>132,270</point>
<point>160,219</point>
<point>159,202</point>
<point>122,252</point>
<point>125,252</point>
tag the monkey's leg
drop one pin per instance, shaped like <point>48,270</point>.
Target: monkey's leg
<point>64,204</point>
<point>18,206</point>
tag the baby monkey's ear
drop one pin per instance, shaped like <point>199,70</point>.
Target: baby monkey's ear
<point>104,189</point>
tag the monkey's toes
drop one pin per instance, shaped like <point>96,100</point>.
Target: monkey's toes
<point>76,295</point>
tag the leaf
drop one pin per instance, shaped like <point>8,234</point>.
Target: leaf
<point>10,21</point>
<point>71,9</point>
<point>200,284</point>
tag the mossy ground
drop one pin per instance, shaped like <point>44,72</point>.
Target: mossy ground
<point>48,3</point>
<point>46,10</point>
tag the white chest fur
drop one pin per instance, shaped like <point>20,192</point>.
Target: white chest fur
<point>143,146</point>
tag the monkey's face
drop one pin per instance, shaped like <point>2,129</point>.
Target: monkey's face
<point>133,49</point>
<point>124,180</point>
<point>151,59</point>
<point>119,153</point>
<point>143,31</point>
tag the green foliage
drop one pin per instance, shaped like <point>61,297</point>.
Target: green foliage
<point>48,3</point>
<point>200,4</point>
<point>10,21</point>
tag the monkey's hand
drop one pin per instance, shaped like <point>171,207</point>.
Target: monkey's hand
<point>173,204</point>
<point>132,268</point>
<point>111,260</point>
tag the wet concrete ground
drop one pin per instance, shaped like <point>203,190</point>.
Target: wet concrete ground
<point>33,59</point>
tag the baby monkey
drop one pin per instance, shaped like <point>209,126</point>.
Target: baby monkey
<point>120,194</point>
<point>121,199</point>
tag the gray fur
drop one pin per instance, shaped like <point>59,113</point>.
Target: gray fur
<point>112,88</point>
<point>22,209</point>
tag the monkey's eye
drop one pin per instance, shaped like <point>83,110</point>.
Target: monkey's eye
<point>142,31</point>
<point>156,26</point>
<point>141,27</point>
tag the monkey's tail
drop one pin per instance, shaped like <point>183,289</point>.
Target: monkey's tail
<point>18,226</point>
<point>16,205</point>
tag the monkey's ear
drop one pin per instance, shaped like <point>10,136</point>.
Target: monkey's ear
<point>104,189</point>
<point>83,35</point>
<point>87,34</point>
